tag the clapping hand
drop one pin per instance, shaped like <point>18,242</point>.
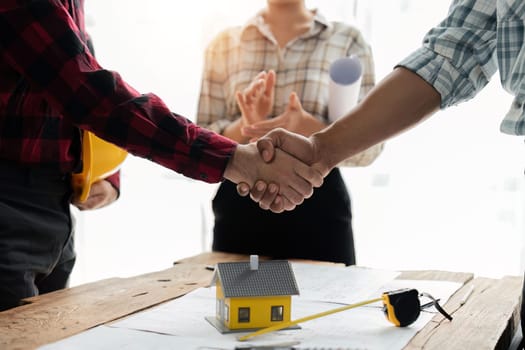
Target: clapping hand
<point>294,119</point>
<point>256,101</point>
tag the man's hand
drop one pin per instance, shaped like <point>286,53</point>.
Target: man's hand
<point>101,194</point>
<point>295,179</point>
<point>294,119</point>
<point>295,145</point>
<point>256,101</point>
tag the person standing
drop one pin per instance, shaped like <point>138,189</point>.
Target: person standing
<point>274,72</point>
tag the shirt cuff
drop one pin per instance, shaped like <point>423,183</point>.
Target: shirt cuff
<point>453,85</point>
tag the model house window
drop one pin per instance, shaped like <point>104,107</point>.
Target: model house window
<point>277,313</point>
<point>244,314</point>
<point>226,313</point>
<point>218,307</point>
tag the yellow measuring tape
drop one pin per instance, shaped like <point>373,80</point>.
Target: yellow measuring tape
<point>401,307</point>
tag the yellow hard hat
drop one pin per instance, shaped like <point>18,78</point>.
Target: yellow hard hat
<point>100,159</point>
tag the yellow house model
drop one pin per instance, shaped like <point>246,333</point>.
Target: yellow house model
<point>253,295</point>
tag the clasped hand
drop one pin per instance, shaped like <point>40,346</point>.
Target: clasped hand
<point>256,103</point>
<point>271,194</point>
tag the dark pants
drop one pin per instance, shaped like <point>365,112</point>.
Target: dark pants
<point>318,229</point>
<point>522,314</point>
<point>36,236</point>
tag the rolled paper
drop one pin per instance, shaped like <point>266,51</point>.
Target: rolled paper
<point>345,82</point>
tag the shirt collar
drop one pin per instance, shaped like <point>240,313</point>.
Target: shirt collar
<point>319,25</point>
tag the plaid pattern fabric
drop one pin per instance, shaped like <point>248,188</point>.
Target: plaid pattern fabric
<point>51,85</point>
<point>460,55</point>
<point>238,54</point>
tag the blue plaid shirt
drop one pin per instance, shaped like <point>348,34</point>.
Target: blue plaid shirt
<point>460,55</point>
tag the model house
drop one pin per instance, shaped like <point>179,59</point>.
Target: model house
<point>254,294</point>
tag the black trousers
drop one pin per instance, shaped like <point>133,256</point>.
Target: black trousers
<point>522,314</point>
<point>36,235</point>
<point>318,229</point>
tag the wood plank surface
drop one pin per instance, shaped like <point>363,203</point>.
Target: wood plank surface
<point>54,316</point>
<point>487,321</point>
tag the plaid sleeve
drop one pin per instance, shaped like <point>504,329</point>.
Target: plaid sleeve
<point>458,56</point>
<point>42,42</point>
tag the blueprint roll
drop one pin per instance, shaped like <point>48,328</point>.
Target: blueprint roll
<point>343,89</point>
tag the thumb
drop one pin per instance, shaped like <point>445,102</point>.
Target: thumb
<point>296,145</point>
<point>266,148</point>
<point>294,103</point>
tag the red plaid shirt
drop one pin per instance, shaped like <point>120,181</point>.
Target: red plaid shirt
<point>51,86</point>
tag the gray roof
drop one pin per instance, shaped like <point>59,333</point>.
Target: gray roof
<point>273,277</point>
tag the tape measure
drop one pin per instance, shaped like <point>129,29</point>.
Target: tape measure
<point>401,307</point>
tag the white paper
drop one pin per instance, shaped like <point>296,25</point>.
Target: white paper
<point>110,338</point>
<point>344,86</point>
<point>339,284</point>
<point>180,323</point>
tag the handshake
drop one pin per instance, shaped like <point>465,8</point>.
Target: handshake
<point>281,166</point>
<point>279,170</point>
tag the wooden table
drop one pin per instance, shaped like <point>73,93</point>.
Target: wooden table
<point>487,321</point>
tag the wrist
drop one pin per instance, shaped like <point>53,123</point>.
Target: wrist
<point>236,168</point>
<point>311,125</point>
<point>323,159</point>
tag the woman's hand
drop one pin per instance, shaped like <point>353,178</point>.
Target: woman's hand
<point>256,101</point>
<point>294,119</point>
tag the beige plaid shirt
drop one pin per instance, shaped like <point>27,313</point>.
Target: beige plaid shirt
<point>238,54</point>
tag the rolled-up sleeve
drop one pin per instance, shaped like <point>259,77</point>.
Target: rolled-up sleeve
<point>458,57</point>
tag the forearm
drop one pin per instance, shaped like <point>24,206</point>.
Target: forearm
<point>399,102</point>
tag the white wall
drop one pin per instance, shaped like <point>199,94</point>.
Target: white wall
<point>447,195</point>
